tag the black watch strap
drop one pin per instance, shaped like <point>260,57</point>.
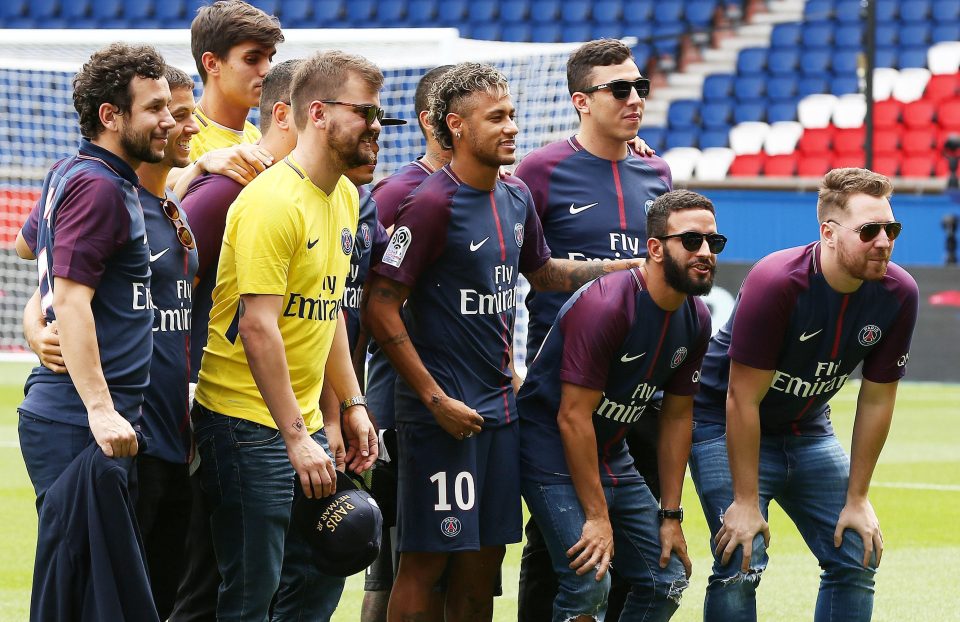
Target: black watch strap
<point>671,514</point>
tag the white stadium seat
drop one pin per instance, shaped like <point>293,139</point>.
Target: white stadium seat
<point>815,111</point>
<point>883,80</point>
<point>782,138</point>
<point>682,161</point>
<point>850,110</point>
<point>747,138</point>
<point>944,57</point>
<point>910,84</point>
<point>714,164</point>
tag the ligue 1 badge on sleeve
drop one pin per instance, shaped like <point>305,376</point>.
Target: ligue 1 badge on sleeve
<point>397,248</point>
<point>518,234</point>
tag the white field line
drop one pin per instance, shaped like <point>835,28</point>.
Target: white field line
<point>918,486</point>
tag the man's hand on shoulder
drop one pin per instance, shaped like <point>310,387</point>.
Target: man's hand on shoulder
<point>741,523</point>
<point>241,163</point>
<point>641,147</point>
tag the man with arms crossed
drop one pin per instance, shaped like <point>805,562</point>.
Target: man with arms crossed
<point>459,243</point>
<point>804,319</point>
<point>616,343</point>
<point>275,319</point>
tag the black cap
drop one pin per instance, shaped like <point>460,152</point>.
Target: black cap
<point>343,530</point>
<point>392,121</point>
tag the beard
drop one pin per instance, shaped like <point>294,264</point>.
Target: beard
<point>352,151</point>
<point>678,276</point>
<point>859,264</point>
<point>137,146</point>
<point>489,156</point>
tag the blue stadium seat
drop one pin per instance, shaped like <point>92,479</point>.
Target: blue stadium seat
<point>887,57</point>
<point>638,11</point>
<point>886,10</point>
<point>654,136</point>
<point>912,56</point>
<point>270,7</point>
<point>108,24</point>
<point>575,11</point>
<point>643,32</point>
<point>136,11</point>
<point>749,88</point>
<point>576,31</point>
<point>783,61</point>
<point>514,10</point>
<point>717,86</point>
<point>945,32</point>
<point>43,9</point>
<point>914,10</point>
<point>451,12</point>
<point>750,111</point>
<point>782,110</point>
<point>76,10</point>
<point>812,85</point>
<point>846,84</point>
<point>847,11</point>
<point>298,13</point>
<point>544,11</point>
<point>816,10</point>
<point>915,34</point>
<point>681,138</point>
<point>886,35</point>
<point>641,53</point>
<point>683,113</point>
<point>815,61</point>
<point>613,30</point>
<point>817,34</point>
<point>607,11</point>
<point>421,12</point>
<point>482,11</point>
<point>548,32</point>
<point>845,61</point>
<point>699,14</point>
<point>391,12</point>
<point>786,35</point>
<point>169,11</point>
<point>752,61</point>
<point>107,10</point>
<point>489,31</point>
<point>360,13</point>
<point>782,87</point>
<point>667,38</point>
<point>945,11</point>
<point>327,13</point>
<point>13,9</point>
<point>717,114</point>
<point>715,138</point>
<point>849,35</point>
<point>517,31</point>
<point>668,11</point>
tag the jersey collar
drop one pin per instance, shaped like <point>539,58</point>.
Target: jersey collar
<point>112,161</point>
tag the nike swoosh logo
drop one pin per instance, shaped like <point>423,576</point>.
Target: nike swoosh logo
<point>153,257</point>
<point>577,210</point>
<point>475,245</point>
<point>312,243</point>
<point>804,336</point>
<point>626,358</point>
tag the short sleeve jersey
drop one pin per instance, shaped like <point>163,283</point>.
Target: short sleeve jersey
<point>284,237</point>
<point>206,202</point>
<point>166,407</point>
<point>788,319</point>
<point>215,136</point>
<point>370,240</point>
<point>459,249</point>
<point>611,337</point>
<point>90,230</point>
<point>591,209</point>
<point>390,192</point>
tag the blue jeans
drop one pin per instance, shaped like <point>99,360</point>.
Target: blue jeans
<point>654,591</point>
<point>248,482</point>
<point>807,476</point>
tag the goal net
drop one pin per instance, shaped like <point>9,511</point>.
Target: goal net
<point>38,124</point>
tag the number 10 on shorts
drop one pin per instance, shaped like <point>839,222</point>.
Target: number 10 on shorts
<point>463,491</point>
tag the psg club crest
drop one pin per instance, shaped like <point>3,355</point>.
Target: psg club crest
<point>346,241</point>
<point>450,526</point>
<point>518,233</point>
<point>869,335</point>
<point>365,239</point>
<point>678,357</point>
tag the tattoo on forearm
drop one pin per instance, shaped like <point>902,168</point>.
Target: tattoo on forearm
<point>396,340</point>
<point>436,398</point>
<point>242,309</point>
<point>565,274</point>
<point>298,425</point>
<point>384,291</point>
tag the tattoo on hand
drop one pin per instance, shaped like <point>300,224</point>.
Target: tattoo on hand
<point>396,340</point>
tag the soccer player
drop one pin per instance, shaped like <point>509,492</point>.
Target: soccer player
<point>458,245</point>
<point>94,273</point>
<point>616,343</point>
<point>804,319</point>
<point>592,192</point>
<point>275,320</point>
<point>233,44</point>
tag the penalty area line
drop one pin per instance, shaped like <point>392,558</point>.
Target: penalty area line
<point>915,486</point>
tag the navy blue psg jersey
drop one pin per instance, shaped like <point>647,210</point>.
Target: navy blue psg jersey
<point>787,318</point>
<point>460,250</point>
<point>591,209</point>
<point>90,230</point>
<point>612,337</point>
<point>390,192</point>
<point>166,409</point>
<point>370,239</point>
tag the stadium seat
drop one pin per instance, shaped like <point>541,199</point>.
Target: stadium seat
<point>107,10</point>
<point>918,142</point>
<point>327,12</point>
<point>682,137</point>
<point>748,137</point>
<point>667,41</point>
<point>714,164</point>
<point>814,166</point>
<point>886,142</point>
<point>849,111</point>
<point>654,136</point>
<point>360,13</point>
<point>783,165</point>
<point>844,85</point>
<point>818,10</point>
<point>783,61</point>
<point>748,111</point>
<point>786,35</point>
<point>270,7</point>
<point>816,61</point>
<point>850,160</point>
<point>41,10</point>
<point>815,111</point>
<point>887,57</point>
<point>812,85</point>
<point>887,35</point>
<point>544,11</point>
<point>421,12</point>
<point>782,87</point>
<point>683,114</point>
<point>682,162</point>
<point>751,61</point>
<point>615,30</point>
<point>886,165</point>
<point>668,11</point>
<point>746,165</point>
<point>887,10</point>
<point>886,114</point>
<point>845,61</point>
<point>912,56</point>
<point>817,34</point>
<point>576,32</point>
<point>75,11</point>
<point>945,11</point>
<point>545,32</point>
<point>849,35</point>
<point>607,11</point>
<point>451,12</point>
<point>918,115</point>
<point>637,12</point>
<point>749,88</point>
<point>815,141</point>
<point>489,31</point>
<point>782,138</point>
<point>942,87</point>
<point>391,12</point>
<point>847,11</point>
<point>699,14</point>
<point>517,31</point>
<point>782,110</point>
<point>914,11</point>
<point>575,11</point>
<point>716,113</point>
<point>945,33</point>
<point>13,9</point>
<point>514,11</point>
<point>921,166</point>
<point>714,138</point>
<point>944,57</point>
<point>717,86</point>
<point>482,11</point>
<point>915,35</point>
<point>849,140</point>
<point>910,84</point>
<point>135,11</point>
<point>298,12</point>
<point>883,80</point>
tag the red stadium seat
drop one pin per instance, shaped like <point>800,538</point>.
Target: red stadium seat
<point>886,113</point>
<point>815,141</point>
<point>941,87</point>
<point>849,140</point>
<point>918,115</point>
<point>886,142</point>
<point>940,168</point>
<point>856,159</point>
<point>917,166</point>
<point>746,166</point>
<point>886,165</point>
<point>948,115</point>
<point>918,142</point>
<point>816,166</point>
<point>781,165</point>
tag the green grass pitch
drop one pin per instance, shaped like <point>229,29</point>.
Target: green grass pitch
<point>916,493</point>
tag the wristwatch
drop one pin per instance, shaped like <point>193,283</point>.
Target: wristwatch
<point>672,514</point>
<point>356,400</point>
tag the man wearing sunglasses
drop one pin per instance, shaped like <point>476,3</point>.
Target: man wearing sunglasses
<point>275,335</point>
<point>616,343</point>
<point>804,319</point>
<point>592,191</point>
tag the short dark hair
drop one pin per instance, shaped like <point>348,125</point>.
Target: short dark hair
<point>421,99</point>
<point>226,23</point>
<point>671,202</point>
<point>324,74</point>
<point>178,79</point>
<point>276,88</point>
<point>599,53</point>
<point>106,78</point>
<point>458,83</point>
<point>840,184</point>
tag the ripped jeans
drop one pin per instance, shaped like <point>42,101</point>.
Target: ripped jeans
<point>807,476</point>
<point>654,591</point>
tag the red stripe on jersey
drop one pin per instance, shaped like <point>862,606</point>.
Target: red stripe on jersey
<point>506,366</point>
<point>663,334</point>
<point>836,339</point>
<point>619,188</point>
<point>496,219</point>
<point>793,426</point>
<point>606,452</point>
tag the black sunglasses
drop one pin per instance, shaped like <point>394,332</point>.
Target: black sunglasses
<point>183,234</point>
<point>868,231</point>
<point>620,89</point>
<point>369,112</point>
<point>693,240</point>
